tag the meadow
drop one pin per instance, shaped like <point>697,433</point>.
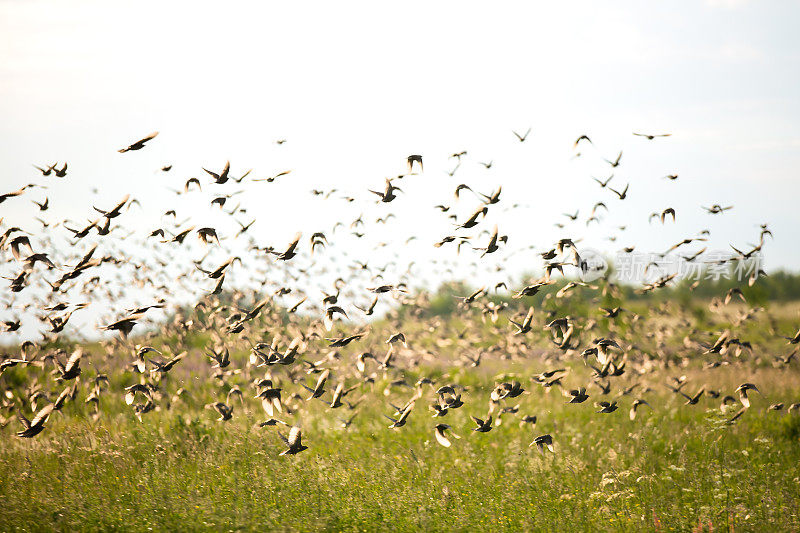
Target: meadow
<point>674,467</point>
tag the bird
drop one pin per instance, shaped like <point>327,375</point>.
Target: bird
<point>506,390</point>
<point>452,173</point>
<point>63,397</point>
<point>13,194</point>
<point>330,314</point>
<point>344,341</point>
<point>221,359</point>
<point>635,407</point>
<point>742,390</point>
<point>137,388</point>
<point>388,194</point>
<point>397,337</point>
<point>622,195</point>
<point>582,138</point>
<point>735,291</point>
<point>164,367</point>
<point>795,339</point>
<point>603,184</point>
<point>138,145</point>
<point>484,426</point>
<point>615,163</point>
<point>493,198</point>
<point>222,177</point>
<point>612,312</point>
<point>403,418</point>
<point>716,209</point>
<point>271,178</point>
<point>46,171</point>
<point>578,395</point>
<point>692,400</point>
<point>18,242</point>
<point>525,326</point>
<point>368,310</point>
<point>289,253</point>
<point>542,442</point>
<point>44,205</point>
<point>71,369</point>
<point>460,188</point>
<point>207,234</point>
<point>522,137</point>
<point>493,246</point>
<point>472,221</point>
<point>294,442</point>
<point>270,398</point>
<point>414,159</point>
<point>225,411</point>
<point>607,407</point>
<point>35,426</point>
<point>272,422</point>
<point>319,388</point>
<point>667,211</point>
<point>529,290</point>
<point>347,422</point>
<point>651,137</point>
<point>339,393</point>
<point>439,432</point>
<point>116,210</point>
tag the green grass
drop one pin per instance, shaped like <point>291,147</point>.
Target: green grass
<point>668,470</point>
<point>674,468</point>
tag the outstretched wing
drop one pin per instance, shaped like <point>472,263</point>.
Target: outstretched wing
<point>295,434</point>
<point>42,415</point>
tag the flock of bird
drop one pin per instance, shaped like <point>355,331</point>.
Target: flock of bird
<point>359,339</point>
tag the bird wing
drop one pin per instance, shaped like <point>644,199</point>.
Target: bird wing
<point>406,412</point>
<point>73,361</point>
<point>42,415</point>
<point>293,244</point>
<point>25,422</point>
<point>441,439</point>
<point>148,138</point>
<point>295,434</point>
<point>322,378</point>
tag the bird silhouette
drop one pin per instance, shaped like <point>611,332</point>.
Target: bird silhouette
<point>138,145</point>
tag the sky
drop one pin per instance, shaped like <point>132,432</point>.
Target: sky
<point>356,87</point>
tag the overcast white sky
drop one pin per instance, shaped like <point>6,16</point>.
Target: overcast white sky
<point>356,87</point>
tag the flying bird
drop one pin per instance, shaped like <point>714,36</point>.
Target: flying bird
<point>582,138</point>
<point>35,426</point>
<point>651,137</point>
<point>439,432</point>
<point>294,442</point>
<point>414,159</point>
<point>138,145</point>
<point>542,442</point>
<point>522,137</point>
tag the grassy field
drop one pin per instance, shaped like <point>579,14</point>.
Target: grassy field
<point>675,467</point>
